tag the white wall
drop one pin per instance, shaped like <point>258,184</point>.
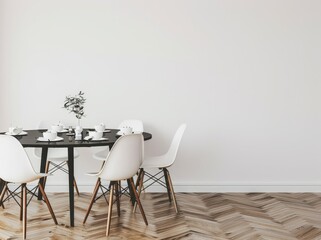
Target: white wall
<point>244,75</point>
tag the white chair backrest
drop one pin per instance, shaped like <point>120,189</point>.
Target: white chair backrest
<point>137,125</point>
<point>15,164</point>
<point>124,159</point>
<point>173,149</point>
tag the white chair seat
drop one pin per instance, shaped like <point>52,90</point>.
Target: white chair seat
<point>101,155</point>
<point>33,178</point>
<point>155,162</point>
<point>92,174</point>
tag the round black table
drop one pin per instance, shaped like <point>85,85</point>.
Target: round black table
<point>69,142</point>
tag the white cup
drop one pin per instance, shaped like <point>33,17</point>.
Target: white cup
<point>100,128</point>
<point>56,128</point>
<point>95,135</point>
<point>49,135</point>
<point>126,130</point>
<point>15,130</point>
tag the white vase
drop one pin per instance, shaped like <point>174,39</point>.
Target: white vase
<point>78,131</point>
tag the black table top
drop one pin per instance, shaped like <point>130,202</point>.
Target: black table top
<point>30,140</point>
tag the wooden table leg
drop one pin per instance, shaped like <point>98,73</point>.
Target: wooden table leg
<point>44,153</point>
<point>71,185</point>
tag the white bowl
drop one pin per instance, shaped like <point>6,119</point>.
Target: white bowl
<point>95,135</point>
<point>49,135</point>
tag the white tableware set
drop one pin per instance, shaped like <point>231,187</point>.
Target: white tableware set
<point>52,133</point>
<point>97,135</point>
<point>16,131</point>
<point>125,131</point>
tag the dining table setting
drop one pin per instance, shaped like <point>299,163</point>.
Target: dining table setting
<point>58,135</point>
<point>69,138</point>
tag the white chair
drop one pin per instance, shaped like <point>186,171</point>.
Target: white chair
<point>136,125</point>
<point>16,168</point>
<point>58,157</point>
<point>161,162</point>
<point>122,163</point>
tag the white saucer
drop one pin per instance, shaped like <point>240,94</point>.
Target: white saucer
<point>105,131</point>
<point>119,133</point>
<point>101,139</point>
<point>90,139</point>
<point>63,131</point>
<point>20,134</point>
<point>42,139</point>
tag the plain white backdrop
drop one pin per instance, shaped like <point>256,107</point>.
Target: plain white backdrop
<point>244,75</point>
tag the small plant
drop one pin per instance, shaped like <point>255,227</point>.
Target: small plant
<point>76,105</point>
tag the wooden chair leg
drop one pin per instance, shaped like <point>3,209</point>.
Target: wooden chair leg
<point>4,190</point>
<point>7,192</point>
<point>138,180</point>
<point>117,195</point>
<point>140,185</point>
<point>44,195</point>
<point>46,171</point>
<point>21,204</point>
<point>110,207</point>
<point>92,199</point>
<point>172,190</point>
<point>24,207</point>
<point>138,177</point>
<point>138,201</point>
<point>167,184</point>
<point>76,187</point>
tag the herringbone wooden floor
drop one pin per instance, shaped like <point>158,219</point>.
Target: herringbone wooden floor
<point>229,216</point>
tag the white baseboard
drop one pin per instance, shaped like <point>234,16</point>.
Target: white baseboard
<point>250,187</point>
<point>215,187</point>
